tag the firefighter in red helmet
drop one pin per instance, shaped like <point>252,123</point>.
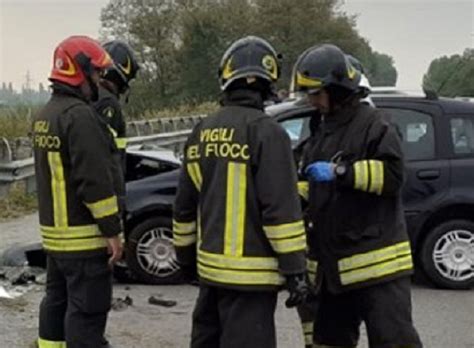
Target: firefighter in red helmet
<point>77,192</point>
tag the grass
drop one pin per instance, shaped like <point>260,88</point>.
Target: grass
<point>17,203</point>
<point>180,111</point>
<point>16,121</point>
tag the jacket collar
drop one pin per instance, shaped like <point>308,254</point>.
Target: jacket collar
<point>243,97</point>
<point>66,90</point>
<point>341,117</point>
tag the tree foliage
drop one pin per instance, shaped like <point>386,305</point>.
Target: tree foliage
<point>180,42</point>
<point>452,76</point>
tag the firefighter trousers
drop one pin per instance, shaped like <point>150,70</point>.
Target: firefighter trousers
<point>225,318</point>
<point>78,296</point>
<point>385,309</point>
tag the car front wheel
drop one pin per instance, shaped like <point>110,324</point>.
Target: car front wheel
<point>447,255</point>
<point>151,256</point>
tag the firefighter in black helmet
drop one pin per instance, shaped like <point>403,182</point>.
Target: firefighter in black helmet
<point>237,213</point>
<point>354,166</point>
<point>115,83</point>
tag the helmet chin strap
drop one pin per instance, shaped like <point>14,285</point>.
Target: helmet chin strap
<point>93,88</point>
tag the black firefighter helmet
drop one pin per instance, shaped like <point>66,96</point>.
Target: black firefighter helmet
<point>125,64</point>
<point>248,58</point>
<point>323,66</point>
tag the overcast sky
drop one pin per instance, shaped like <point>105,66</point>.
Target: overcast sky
<point>413,32</point>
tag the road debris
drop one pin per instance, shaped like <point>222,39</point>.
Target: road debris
<point>159,302</point>
<point>121,304</point>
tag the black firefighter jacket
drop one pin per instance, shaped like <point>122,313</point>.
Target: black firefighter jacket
<point>358,234</point>
<point>111,117</point>
<point>75,179</point>
<point>237,201</point>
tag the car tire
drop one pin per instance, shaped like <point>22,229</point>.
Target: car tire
<point>150,253</point>
<point>447,255</point>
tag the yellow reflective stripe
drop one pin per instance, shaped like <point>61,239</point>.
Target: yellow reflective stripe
<point>311,268</point>
<point>286,238</point>
<point>113,131</point>
<point>70,232</point>
<point>283,246</point>
<point>42,343</point>
<point>307,326</point>
<point>361,175</point>
<point>74,244</point>
<point>199,230</point>
<point>375,256</point>
<point>121,143</point>
<point>303,189</point>
<point>236,205</point>
<point>308,332</point>
<point>195,173</point>
<point>104,207</point>
<point>58,189</point>
<point>306,81</point>
<point>240,277</point>
<point>377,271</point>
<point>376,176</point>
<point>238,262</point>
<point>184,227</point>
<point>285,230</point>
<point>184,240</point>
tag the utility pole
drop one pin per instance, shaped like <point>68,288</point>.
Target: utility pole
<point>28,81</point>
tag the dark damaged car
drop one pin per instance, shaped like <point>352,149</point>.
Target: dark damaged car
<point>438,143</point>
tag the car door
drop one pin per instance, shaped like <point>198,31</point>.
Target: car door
<point>462,157</point>
<point>425,133</point>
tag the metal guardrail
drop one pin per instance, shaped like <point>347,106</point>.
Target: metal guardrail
<point>17,164</point>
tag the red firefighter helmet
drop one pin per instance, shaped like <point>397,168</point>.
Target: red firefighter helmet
<point>76,57</point>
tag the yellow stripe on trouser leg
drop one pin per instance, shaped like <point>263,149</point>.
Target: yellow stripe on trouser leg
<point>235,208</point>
<point>308,332</point>
<point>42,343</point>
<point>58,189</point>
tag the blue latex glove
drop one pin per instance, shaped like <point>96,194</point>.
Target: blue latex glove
<point>320,171</point>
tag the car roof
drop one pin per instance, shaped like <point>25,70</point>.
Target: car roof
<point>288,105</point>
<point>449,105</point>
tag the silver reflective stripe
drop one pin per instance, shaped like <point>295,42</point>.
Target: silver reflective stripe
<point>377,271</point>
<point>375,256</point>
<point>238,262</point>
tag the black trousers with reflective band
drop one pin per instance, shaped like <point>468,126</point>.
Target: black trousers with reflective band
<point>225,318</point>
<point>385,309</point>
<point>78,298</point>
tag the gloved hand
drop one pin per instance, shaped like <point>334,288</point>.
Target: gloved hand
<point>299,289</point>
<point>321,171</point>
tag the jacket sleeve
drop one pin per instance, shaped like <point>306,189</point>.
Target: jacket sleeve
<point>91,169</point>
<point>111,112</point>
<point>382,172</point>
<point>185,210</point>
<point>276,185</point>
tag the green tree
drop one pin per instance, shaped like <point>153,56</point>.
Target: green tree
<point>451,76</point>
<point>381,70</point>
<point>180,42</point>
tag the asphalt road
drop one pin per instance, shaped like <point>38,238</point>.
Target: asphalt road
<point>445,319</point>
